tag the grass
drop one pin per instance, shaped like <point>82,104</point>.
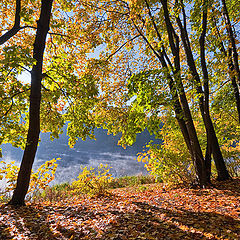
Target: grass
<point>64,190</point>
<point>130,181</point>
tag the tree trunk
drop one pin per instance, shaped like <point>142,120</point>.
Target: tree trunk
<point>217,154</point>
<point>232,73</point>
<point>232,40</point>
<point>234,84</point>
<point>183,117</point>
<point>34,109</point>
<point>194,146</point>
<point>204,108</point>
<point>185,122</point>
<point>208,160</point>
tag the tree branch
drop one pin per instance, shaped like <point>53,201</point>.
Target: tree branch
<point>16,27</point>
<point>158,34</point>
<point>121,47</point>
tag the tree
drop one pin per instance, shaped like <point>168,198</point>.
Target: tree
<point>154,64</point>
<point>158,29</point>
<point>60,91</point>
<point>34,109</point>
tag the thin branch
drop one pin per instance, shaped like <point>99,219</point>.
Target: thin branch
<point>63,92</point>
<point>121,47</point>
<point>9,109</point>
<point>24,68</point>
<point>146,40</point>
<point>15,94</point>
<point>12,102</point>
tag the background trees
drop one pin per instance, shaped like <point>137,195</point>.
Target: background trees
<point>173,34</point>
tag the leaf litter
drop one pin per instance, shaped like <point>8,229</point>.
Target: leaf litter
<point>131,213</point>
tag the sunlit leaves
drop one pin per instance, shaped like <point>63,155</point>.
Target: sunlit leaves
<point>39,179</point>
<point>143,212</point>
<point>93,182</point>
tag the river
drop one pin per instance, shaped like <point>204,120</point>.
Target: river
<point>85,153</point>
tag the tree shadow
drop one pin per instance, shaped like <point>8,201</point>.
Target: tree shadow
<point>211,223</point>
<point>34,223</point>
<point>230,187</point>
<point>142,221</point>
<point>152,222</point>
<point>145,223</point>
<point>28,220</point>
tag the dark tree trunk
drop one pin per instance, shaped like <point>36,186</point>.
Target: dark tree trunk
<point>234,82</point>
<point>182,115</point>
<point>233,65</point>
<point>185,122</point>
<point>204,106</point>
<point>232,40</point>
<point>193,146</point>
<point>232,73</point>
<point>206,89</point>
<point>236,93</point>
<point>208,160</point>
<point>34,109</point>
<point>217,155</point>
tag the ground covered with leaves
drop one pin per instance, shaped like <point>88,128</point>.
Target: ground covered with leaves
<point>147,212</point>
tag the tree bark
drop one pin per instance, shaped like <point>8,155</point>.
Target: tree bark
<point>232,73</point>
<point>235,89</point>
<point>204,106</point>
<point>34,109</point>
<point>232,40</point>
<point>194,149</point>
<point>233,54</point>
<point>183,114</point>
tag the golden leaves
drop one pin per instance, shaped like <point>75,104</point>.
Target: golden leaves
<point>155,213</point>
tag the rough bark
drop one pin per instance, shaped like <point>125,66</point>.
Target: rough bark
<point>233,54</point>
<point>232,74</point>
<point>182,110</point>
<point>235,89</point>
<point>208,160</point>
<point>34,109</point>
<point>206,89</point>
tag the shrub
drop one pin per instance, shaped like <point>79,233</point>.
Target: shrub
<point>55,193</point>
<point>38,182</point>
<point>170,161</point>
<point>92,181</point>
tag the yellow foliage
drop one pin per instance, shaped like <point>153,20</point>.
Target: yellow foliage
<point>39,179</point>
<point>93,181</point>
<point>169,161</point>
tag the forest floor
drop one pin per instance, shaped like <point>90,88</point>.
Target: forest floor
<point>147,212</point>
